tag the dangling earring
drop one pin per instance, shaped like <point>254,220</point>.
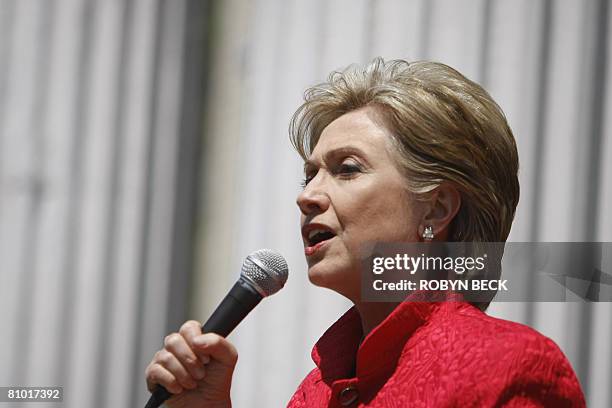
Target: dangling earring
<point>428,234</point>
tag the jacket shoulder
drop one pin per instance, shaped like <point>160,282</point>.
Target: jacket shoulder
<point>511,358</point>
<point>494,339</point>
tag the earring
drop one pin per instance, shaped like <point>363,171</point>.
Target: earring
<point>428,234</point>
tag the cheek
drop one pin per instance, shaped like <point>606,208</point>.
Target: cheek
<point>386,216</point>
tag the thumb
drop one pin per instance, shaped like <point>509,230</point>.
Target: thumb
<point>217,347</point>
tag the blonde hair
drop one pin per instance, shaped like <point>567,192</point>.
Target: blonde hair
<point>445,127</point>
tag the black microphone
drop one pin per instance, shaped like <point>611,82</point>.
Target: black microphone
<point>263,273</point>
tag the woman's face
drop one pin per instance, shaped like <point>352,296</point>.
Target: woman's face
<point>354,194</point>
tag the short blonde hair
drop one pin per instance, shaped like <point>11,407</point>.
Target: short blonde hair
<point>446,129</point>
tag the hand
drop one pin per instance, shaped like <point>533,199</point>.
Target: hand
<point>197,368</point>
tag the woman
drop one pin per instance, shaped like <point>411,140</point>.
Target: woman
<point>396,152</point>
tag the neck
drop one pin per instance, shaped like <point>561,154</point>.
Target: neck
<point>373,313</point>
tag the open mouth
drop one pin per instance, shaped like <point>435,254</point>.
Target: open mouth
<point>317,236</point>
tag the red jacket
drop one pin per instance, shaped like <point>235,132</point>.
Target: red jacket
<point>446,354</point>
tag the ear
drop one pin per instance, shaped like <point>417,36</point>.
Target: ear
<point>444,204</point>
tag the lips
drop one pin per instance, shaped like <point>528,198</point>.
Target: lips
<point>316,235</point>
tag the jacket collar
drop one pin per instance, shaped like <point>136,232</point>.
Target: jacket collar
<point>378,354</point>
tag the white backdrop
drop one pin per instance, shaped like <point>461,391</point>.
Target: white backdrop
<point>95,142</point>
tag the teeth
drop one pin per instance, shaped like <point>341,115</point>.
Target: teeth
<point>314,232</point>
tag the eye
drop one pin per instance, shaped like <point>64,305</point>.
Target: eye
<point>348,169</point>
<point>307,179</point>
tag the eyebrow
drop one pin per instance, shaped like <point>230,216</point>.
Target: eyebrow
<point>339,151</point>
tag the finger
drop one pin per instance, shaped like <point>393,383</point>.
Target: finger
<point>174,366</point>
<point>217,347</point>
<point>190,330</point>
<point>157,374</point>
<point>177,345</point>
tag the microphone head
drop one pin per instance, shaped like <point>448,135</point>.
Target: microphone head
<point>266,270</point>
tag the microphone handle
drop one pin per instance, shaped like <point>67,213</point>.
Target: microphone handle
<point>240,300</point>
<point>234,307</point>
<point>159,395</point>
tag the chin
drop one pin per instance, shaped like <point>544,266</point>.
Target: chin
<point>331,279</point>
<point>318,277</point>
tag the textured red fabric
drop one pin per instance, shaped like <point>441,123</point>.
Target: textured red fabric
<point>447,354</point>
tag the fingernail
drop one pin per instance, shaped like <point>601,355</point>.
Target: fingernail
<point>199,341</point>
<point>199,373</point>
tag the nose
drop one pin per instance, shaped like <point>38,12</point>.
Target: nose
<point>313,199</point>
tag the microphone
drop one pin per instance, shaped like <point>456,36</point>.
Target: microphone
<point>263,273</point>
